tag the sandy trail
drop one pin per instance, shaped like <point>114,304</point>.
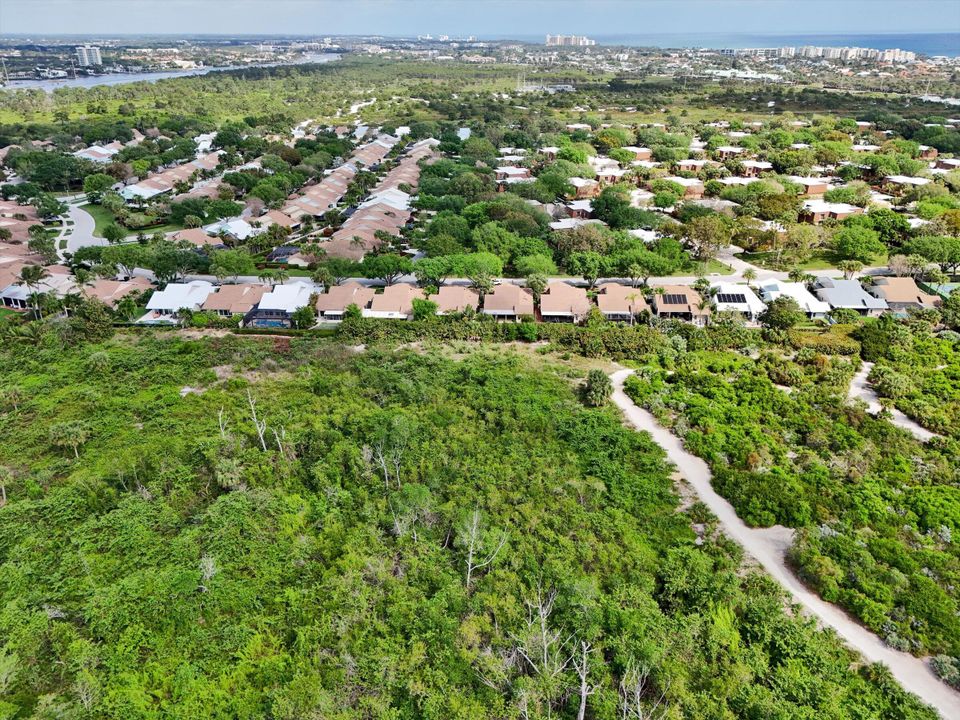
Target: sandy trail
<point>860,388</point>
<point>768,546</point>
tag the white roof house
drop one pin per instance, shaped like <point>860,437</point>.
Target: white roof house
<point>234,227</point>
<point>730,297</point>
<point>773,289</point>
<point>287,298</point>
<point>906,180</point>
<point>395,198</point>
<point>178,296</point>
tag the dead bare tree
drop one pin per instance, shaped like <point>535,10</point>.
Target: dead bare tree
<point>542,646</point>
<point>222,424</point>
<point>473,537</point>
<point>635,686</point>
<point>581,664</point>
<point>259,425</point>
<point>6,477</point>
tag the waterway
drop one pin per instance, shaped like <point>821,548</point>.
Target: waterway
<point>89,81</point>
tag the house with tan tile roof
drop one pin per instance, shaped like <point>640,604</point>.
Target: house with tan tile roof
<point>452,299</point>
<point>332,304</point>
<point>396,302</point>
<point>621,302</point>
<point>902,294</point>
<point>235,299</point>
<point>562,302</point>
<point>508,302</point>
<point>110,292</point>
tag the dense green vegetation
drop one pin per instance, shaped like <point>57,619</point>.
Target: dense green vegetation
<point>233,527</point>
<point>875,509</point>
<point>917,372</point>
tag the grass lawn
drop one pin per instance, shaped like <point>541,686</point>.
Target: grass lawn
<point>820,260</point>
<point>103,217</point>
<point>713,267</point>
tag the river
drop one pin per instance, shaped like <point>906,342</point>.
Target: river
<point>89,81</point>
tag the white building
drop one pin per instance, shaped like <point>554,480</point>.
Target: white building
<point>814,308</point>
<point>165,304</point>
<point>88,55</point>
<point>730,297</point>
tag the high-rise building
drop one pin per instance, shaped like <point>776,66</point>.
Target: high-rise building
<point>88,55</point>
<point>572,40</point>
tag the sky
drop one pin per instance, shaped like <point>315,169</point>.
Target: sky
<point>483,18</point>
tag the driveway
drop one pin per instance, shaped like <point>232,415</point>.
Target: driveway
<point>769,547</point>
<point>77,232</point>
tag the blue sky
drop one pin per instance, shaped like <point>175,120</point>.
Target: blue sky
<point>485,18</point>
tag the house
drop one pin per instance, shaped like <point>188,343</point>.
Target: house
<point>693,166</point>
<point>848,295</point>
<point>680,302</point>
<point>276,308</point>
<point>816,211</point>
<point>58,282</point>
<point>928,153</point>
<point>452,299</point>
<point>727,152</point>
<point>865,148</point>
<point>753,168</point>
<point>610,175</point>
<point>571,223</point>
<point>237,299</point>
<point>164,305</point>
<point>740,299</point>
<point>197,237</point>
<point>110,292</point>
<point>396,302</point>
<point>811,186</point>
<point>580,208</point>
<point>512,174</point>
<point>549,152</point>
<point>621,302</point>
<point>573,127</point>
<point>692,188</point>
<point>948,164</point>
<point>562,302</point>
<point>639,153</point>
<point>236,228</point>
<point>332,304</point>
<point>508,302</point>
<point>810,305</point>
<point>101,154</point>
<point>902,294</point>
<point>584,188</point>
<point>897,184</point>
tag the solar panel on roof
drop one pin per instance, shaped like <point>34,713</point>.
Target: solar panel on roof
<point>674,299</point>
<point>737,298</point>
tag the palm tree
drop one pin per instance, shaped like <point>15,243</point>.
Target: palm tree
<point>266,277</point>
<point>749,275</point>
<point>282,275</point>
<point>32,276</point>
<point>849,268</point>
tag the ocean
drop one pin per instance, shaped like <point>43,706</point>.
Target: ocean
<point>926,43</point>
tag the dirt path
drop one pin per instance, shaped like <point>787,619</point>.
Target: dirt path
<point>768,546</point>
<point>860,388</point>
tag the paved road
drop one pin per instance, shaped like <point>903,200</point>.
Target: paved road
<point>769,546</point>
<point>860,388</point>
